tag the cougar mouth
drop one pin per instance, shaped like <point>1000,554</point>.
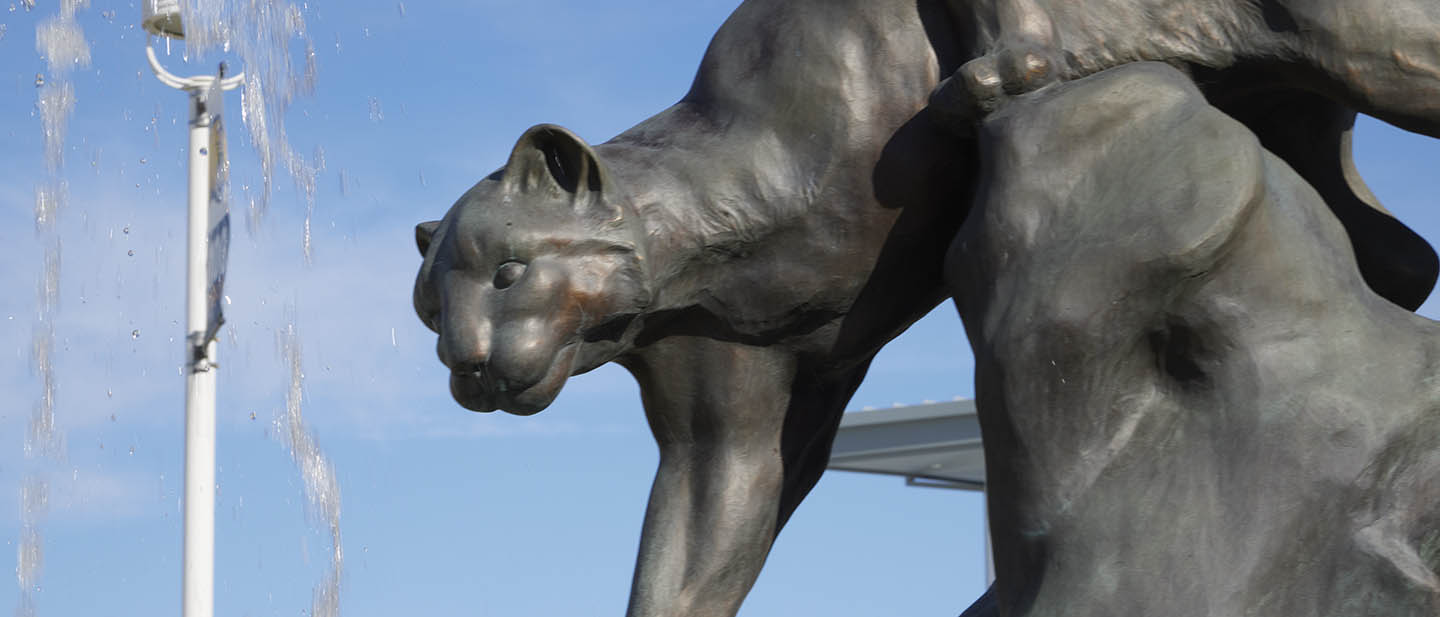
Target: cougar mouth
<point>486,390</point>
<point>473,390</point>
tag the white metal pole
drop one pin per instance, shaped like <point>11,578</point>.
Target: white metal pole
<point>199,566</point>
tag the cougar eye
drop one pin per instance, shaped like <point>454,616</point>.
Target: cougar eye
<point>508,273</point>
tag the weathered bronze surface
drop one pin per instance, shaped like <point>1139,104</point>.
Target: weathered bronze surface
<point>747,251</point>
<point>1191,402</point>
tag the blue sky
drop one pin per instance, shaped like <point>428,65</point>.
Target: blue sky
<point>444,511</point>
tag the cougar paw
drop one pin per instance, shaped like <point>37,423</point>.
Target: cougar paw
<point>980,85</point>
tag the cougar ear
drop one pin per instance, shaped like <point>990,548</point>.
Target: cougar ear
<point>551,158</point>
<point>424,233</point>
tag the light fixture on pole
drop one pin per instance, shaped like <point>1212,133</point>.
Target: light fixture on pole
<point>162,18</point>
<point>208,241</point>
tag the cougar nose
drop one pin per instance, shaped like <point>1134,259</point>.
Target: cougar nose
<point>464,347</point>
<point>460,362</point>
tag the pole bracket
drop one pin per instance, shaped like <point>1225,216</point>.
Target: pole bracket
<point>197,83</point>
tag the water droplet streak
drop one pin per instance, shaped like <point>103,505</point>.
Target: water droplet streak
<point>321,485</point>
<point>61,42</point>
<point>264,34</point>
<point>377,113</point>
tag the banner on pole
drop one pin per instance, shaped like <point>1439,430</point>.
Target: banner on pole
<point>219,210</point>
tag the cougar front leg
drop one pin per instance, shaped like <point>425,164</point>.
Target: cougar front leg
<point>717,411</point>
<point>744,434</point>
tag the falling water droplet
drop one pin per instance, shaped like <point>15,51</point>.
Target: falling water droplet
<point>134,334</point>
<point>130,252</point>
<point>126,230</point>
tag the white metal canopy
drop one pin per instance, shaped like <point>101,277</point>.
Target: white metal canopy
<point>934,444</point>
